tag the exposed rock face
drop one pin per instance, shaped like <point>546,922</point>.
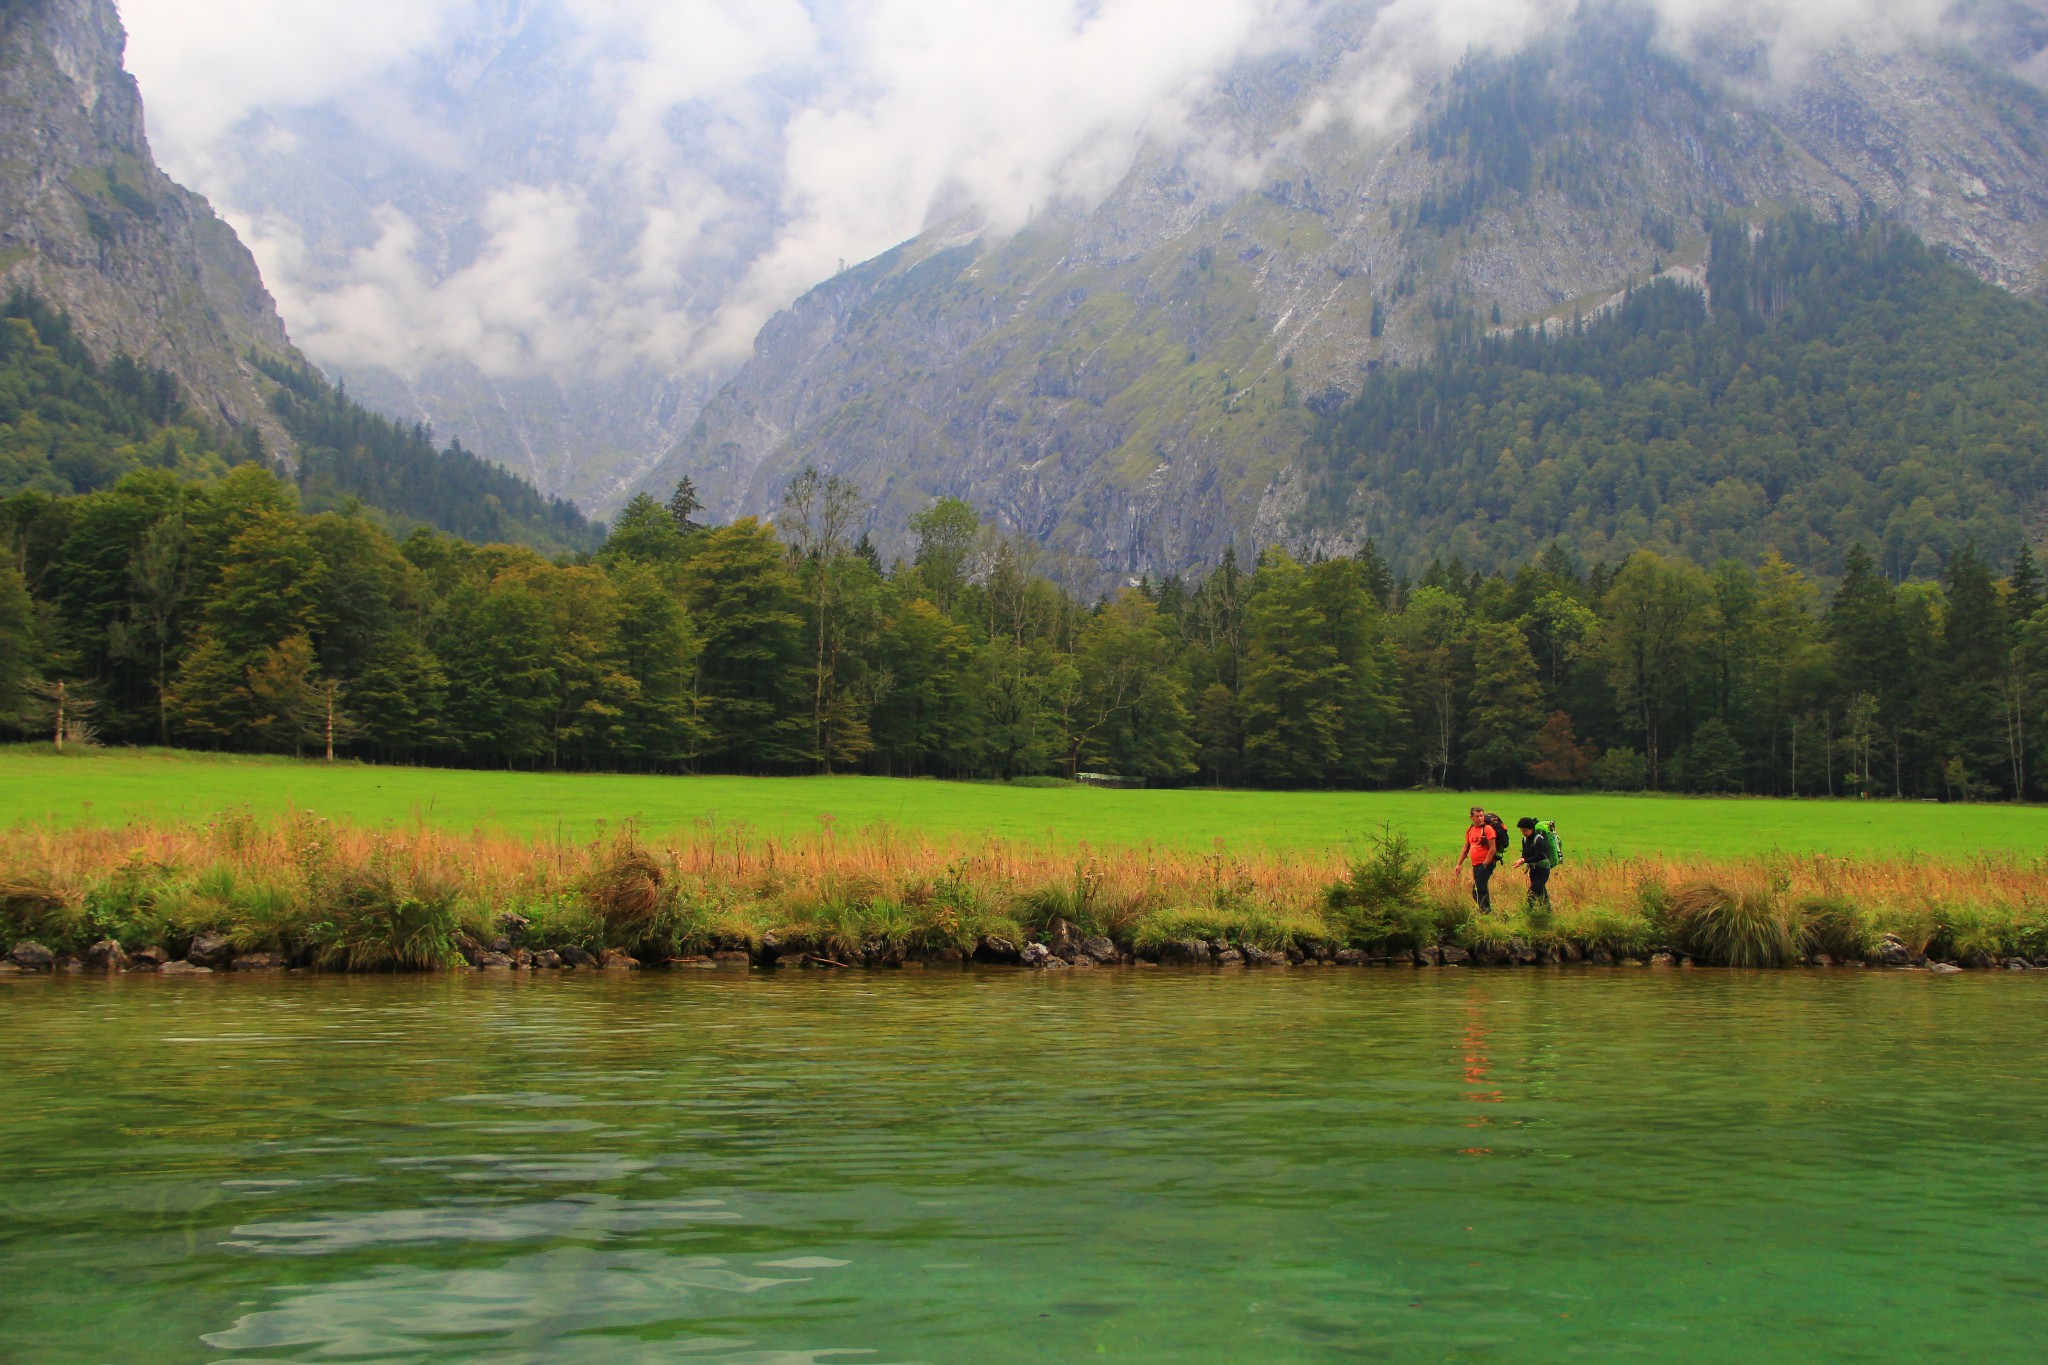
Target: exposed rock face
<point>1133,384</point>
<point>89,224</point>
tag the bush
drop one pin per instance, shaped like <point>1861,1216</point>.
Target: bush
<point>1381,904</point>
<point>387,918</point>
<point>1621,770</point>
<point>1831,925</point>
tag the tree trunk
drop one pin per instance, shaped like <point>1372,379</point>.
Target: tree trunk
<point>58,738</point>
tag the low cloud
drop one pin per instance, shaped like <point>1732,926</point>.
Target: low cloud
<point>697,164</point>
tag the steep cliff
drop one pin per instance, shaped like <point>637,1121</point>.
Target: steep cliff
<point>1136,383</point>
<point>89,224</point>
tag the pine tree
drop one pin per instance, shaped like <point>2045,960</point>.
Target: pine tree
<point>1507,704</point>
<point>752,678</point>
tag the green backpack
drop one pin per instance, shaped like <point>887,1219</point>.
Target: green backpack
<point>1549,828</point>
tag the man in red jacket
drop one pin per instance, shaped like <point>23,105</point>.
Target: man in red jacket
<point>1482,850</point>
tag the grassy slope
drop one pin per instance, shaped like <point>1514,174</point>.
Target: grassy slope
<point>118,786</point>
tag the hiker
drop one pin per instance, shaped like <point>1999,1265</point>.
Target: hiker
<point>1483,841</point>
<point>1539,855</point>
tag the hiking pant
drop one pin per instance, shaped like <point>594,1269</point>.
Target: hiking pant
<point>1539,885</point>
<point>1482,888</point>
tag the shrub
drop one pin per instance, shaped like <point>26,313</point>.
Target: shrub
<point>624,890</point>
<point>1832,925</point>
<point>384,917</point>
<point>1381,904</point>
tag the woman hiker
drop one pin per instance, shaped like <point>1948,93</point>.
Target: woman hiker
<point>1483,851</point>
<point>1538,857</point>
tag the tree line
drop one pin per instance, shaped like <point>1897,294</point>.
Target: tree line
<point>220,614</point>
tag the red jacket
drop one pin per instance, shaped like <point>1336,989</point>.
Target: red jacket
<point>1481,847</point>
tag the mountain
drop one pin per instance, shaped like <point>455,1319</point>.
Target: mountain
<point>1143,382</point>
<point>89,224</point>
<point>138,331</point>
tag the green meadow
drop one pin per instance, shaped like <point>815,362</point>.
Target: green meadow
<point>115,786</point>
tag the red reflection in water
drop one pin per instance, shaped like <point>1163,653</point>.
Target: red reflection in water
<point>1478,1068</point>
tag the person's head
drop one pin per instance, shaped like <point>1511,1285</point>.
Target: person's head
<point>1478,815</point>
<point>1526,825</point>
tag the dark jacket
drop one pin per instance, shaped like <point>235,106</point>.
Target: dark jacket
<point>1536,849</point>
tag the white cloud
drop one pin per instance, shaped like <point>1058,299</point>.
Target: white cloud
<point>699,163</point>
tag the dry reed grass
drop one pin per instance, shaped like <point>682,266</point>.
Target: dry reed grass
<point>360,897</point>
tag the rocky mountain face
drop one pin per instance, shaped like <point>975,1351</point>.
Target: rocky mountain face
<point>1134,383</point>
<point>89,224</point>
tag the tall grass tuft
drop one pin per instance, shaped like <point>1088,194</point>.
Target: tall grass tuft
<point>1729,928</point>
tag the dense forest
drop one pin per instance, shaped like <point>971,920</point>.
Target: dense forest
<point>1848,385</point>
<point>70,425</point>
<point>218,613</point>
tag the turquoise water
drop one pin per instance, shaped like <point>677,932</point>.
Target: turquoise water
<point>1129,1166</point>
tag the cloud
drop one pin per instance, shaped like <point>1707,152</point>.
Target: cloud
<point>684,168</point>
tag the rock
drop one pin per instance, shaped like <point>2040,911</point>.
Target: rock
<point>1892,952</point>
<point>1945,969</point>
<point>1082,960</point>
<point>1295,956</point>
<point>1523,953</point>
<point>548,960</point>
<point>106,956</point>
<point>1600,957</point>
<point>210,950</point>
<point>492,960</point>
<point>945,957</point>
<point>883,953</point>
<point>511,926</point>
<point>1101,950</point>
<point>1453,956</point>
<point>500,944</point>
<point>1351,957</point>
<point>71,964</point>
<point>1660,959</point>
<point>259,962</point>
<point>147,959</point>
<point>470,949</point>
<point>1981,962</point>
<point>1822,960</point>
<point>615,961</point>
<point>990,948</point>
<point>31,956</point>
<point>522,959</point>
<point>1230,957</point>
<point>1429,955</point>
<point>1570,952</point>
<point>1185,952</point>
<point>1064,940</point>
<point>184,969</point>
<point>1549,955</point>
<point>773,949</point>
<point>1261,957</point>
<point>1035,955</point>
<point>2018,964</point>
<point>573,956</point>
<point>732,961</point>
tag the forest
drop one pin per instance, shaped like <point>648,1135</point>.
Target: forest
<point>1848,385</point>
<point>220,614</point>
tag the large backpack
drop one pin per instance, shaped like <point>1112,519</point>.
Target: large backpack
<point>1549,828</point>
<point>1500,835</point>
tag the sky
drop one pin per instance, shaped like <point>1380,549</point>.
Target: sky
<point>726,155</point>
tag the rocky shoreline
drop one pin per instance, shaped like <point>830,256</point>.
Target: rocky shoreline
<point>1063,948</point>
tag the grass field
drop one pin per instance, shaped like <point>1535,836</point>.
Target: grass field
<point>111,787</point>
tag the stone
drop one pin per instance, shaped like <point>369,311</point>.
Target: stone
<point>615,961</point>
<point>883,953</point>
<point>1184,952</point>
<point>1822,960</point>
<point>1081,961</point>
<point>71,964</point>
<point>210,950</point>
<point>1600,957</point>
<point>147,959</point>
<point>31,956</point>
<point>1451,955</point>
<point>945,957</point>
<point>493,960</point>
<point>1429,955</point>
<point>258,962</point>
<point>184,969</point>
<point>548,960</point>
<point>1980,962</point>
<point>1351,957</point>
<point>1101,950</point>
<point>1035,955</point>
<point>500,944</point>
<point>1523,952</point>
<point>1230,957</point>
<point>2018,964</point>
<point>1260,957</point>
<point>470,949</point>
<point>1661,959</point>
<point>573,956</point>
<point>1064,940</point>
<point>732,961</point>
<point>1570,952</point>
<point>991,948</point>
<point>511,926</point>
<point>106,956</point>
<point>1549,955</point>
<point>1892,952</point>
<point>1945,969</point>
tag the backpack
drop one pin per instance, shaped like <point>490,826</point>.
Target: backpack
<point>1549,828</point>
<point>1500,835</point>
